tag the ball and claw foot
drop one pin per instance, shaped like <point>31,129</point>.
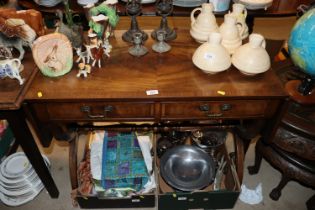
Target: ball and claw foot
<point>252,170</point>
<point>275,194</point>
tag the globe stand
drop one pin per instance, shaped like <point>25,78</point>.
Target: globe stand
<point>292,88</point>
<point>306,86</point>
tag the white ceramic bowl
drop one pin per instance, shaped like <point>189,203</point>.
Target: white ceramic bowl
<point>255,4</point>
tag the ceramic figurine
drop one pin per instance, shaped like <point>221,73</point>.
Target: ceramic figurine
<point>95,49</point>
<point>161,46</point>
<point>11,68</point>
<point>16,33</point>
<point>138,49</point>
<point>97,54</point>
<point>84,56</point>
<point>84,69</point>
<point>252,58</point>
<point>107,46</point>
<point>204,24</point>
<point>53,55</point>
<point>31,17</point>
<point>239,11</point>
<point>100,28</point>
<point>211,57</point>
<point>231,39</point>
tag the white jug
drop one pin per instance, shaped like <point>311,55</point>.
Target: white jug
<point>231,39</point>
<point>204,24</point>
<point>211,57</point>
<point>252,58</point>
<point>240,13</point>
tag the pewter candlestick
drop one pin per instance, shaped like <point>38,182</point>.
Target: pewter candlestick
<point>160,46</point>
<point>133,9</point>
<point>137,49</point>
<point>164,8</point>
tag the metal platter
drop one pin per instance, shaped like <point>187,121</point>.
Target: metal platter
<point>187,168</point>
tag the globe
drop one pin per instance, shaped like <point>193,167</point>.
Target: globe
<point>301,43</point>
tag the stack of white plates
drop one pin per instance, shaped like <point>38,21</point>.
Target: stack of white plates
<point>19,182</point>
<point>47,3</point>
<point>255,4</point>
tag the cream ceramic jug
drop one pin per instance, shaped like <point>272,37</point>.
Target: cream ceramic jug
<point>240,13</point>
<point>231,39</point>
<point>211,57</point>
<point>11,68</point>
<point>204,24</point>
<point>252,58</point>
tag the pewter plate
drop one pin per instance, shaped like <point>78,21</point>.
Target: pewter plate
<point>187,168</point>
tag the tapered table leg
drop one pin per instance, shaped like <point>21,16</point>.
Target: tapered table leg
<point>23,136</point>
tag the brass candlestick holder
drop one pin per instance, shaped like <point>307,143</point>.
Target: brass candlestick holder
<point>133,9</point>
<point>164,8</point>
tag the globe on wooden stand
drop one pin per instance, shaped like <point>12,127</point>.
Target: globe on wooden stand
<point>301,45</point>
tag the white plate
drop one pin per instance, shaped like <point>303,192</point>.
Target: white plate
<point>17,201</point>
<point>24,192</point>
<point>22,180</point>
<point>50,3</point>
<point>143,1</point>
<point>86,2</point>
<point>15,165</point>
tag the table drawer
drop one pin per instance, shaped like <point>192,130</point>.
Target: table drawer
<point>95,111</point>
<point>232,109</point>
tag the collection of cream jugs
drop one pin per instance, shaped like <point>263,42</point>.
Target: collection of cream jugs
<point>222,46</point>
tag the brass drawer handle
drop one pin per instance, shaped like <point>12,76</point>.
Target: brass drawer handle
<point>87,109</point>
<point>206,109</point>
<point>215,115</point>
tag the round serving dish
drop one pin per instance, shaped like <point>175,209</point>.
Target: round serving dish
<point>187,168</point>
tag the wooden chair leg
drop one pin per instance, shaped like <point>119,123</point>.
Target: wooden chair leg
<point>258,158</point>
<point>276,192</point>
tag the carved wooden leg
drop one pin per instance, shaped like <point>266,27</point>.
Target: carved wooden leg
<point>258,158</point>
<point>73,162</point>
<point>276,192</point>
<point>311,203</point>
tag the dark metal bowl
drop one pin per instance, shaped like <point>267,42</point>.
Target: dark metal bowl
<point>187,168</point>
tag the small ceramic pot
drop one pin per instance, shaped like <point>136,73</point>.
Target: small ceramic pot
<point>204,24</point>
<point>211,57</point>
<point>252,58</point>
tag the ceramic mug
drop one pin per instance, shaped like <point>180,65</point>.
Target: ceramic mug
<point>220,5</point>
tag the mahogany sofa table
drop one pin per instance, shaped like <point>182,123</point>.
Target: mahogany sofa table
<point>117,92</point>
<point>11,99</point>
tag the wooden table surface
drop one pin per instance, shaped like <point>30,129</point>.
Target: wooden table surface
<point>11,92</point>
<point>173,74</point>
